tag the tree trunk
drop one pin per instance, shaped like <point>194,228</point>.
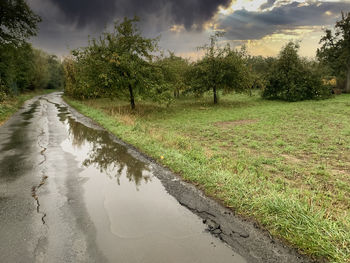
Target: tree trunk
<point>215,96</point>
<point>176,93</point>
<point>347,87</point>
<point>132,99</point>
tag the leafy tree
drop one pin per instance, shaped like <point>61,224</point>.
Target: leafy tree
<point>70,76</point>
<point>221,68</point>
<point>130,56</point>
<point>209,69</point>
<point>41,73</point>
<point>56,75</point>
<point>292,78</point>
<point>174,70</point>
<point>259,66</point>
<point>87,74</point>
<point>16,67</point>
<point>17,22</point>
<point>335,51</point>
<point>119,63</point>
<point>237,76</point>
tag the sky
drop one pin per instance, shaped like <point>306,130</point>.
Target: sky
<point>264,26</point>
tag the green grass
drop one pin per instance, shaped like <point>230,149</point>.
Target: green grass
<point>12,104</point>
<point>286,165</point>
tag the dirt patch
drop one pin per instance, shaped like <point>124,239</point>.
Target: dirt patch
<point>340,171</point>
<point>230,124</point>
<point>291,159</point>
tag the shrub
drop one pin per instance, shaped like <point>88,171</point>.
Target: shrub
<point>294,79</point>
<point>3,93</point>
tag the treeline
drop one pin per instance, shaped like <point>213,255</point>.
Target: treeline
<point>21,66</point>
<point>124,64</point>
<point>25,68</point>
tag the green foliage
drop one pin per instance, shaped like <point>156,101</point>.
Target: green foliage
<point>17,22</point>
<point>24,68</point>
<point>41,75</point>
<point>294,79</point>
<point>220,69</point>
<point>260,65</point>
<point>21,66</point>
<point>174,70</point>
<point>119,63</point>
<point>3,94</point>
<point>335,51</point>
<point>16,67</point>
<point>56,75</point>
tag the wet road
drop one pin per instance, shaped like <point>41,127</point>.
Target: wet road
<point>70,192</point>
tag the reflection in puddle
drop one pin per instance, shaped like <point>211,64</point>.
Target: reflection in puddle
<point>104,154</point>
<point>135,218</point>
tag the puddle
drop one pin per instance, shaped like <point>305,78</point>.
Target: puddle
<point>136,220</point>
<point>11,166</point>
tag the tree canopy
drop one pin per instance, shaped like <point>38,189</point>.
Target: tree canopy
<point>21,66</point>
<point>293,79</point>
<point>221,68</point>
<point>17,22</point>
<point>119,63</point>
<point>335,50</point>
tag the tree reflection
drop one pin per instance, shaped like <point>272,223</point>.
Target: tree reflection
<point>108,156</point>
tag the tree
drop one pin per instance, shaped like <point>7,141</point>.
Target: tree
<point>118,63</point>
<point>174,70</point>
<point>210,67</point>
<point>56,77</point>
<point>335,51</point>
<point>130,55</point>
<point>293,79</point>
<point>17,22</point>
<point>70,76</point>
<point>41,73</point>
<point>16,67</point>
<point>221,68</point>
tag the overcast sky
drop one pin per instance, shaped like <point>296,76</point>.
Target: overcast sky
<point>263,25</point>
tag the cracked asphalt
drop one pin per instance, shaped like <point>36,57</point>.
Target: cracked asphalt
<point>72,192</point>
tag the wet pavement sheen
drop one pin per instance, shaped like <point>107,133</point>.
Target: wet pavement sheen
<point>89,198</point>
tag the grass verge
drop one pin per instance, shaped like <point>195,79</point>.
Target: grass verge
<point>12,104</point>
<point>286,165</point>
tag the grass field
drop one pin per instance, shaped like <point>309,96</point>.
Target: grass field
<point>285,165</point>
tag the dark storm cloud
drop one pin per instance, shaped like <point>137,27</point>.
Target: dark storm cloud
<point>268,4</point>
<point>84,12</point>
<point>101,12</point>
<point>244,25</point>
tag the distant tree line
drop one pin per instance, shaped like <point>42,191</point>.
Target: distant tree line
<point>21,66</point>
<point>124,64</point>
<point>335,52</point>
